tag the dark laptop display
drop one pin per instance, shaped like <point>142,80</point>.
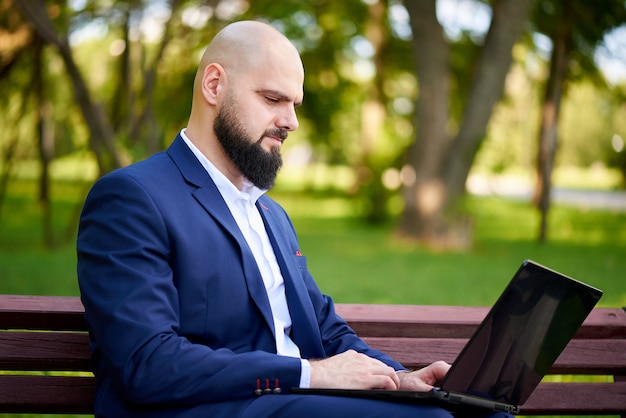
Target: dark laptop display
<point>522,336</point>
<point>512,349</point>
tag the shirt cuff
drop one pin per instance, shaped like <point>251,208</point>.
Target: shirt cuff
<point>305,374</point>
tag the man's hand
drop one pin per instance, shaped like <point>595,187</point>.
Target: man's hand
<point>352,370</point>
<point>424,379</point>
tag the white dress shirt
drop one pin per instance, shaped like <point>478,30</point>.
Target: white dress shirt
<point>242,205</point>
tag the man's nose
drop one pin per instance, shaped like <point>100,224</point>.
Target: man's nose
<point>288,120</point>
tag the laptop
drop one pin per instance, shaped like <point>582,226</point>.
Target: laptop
<point>525,331</point>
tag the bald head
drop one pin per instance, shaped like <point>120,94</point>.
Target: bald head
<point>241,47</point>
<point>241,51</point>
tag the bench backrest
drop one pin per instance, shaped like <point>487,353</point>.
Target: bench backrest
<point>44,352</point>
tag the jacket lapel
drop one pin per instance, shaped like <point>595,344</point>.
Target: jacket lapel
<point>305,330</point>
<point>211,200</point>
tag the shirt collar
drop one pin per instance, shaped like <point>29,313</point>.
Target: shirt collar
<point>229,192</point>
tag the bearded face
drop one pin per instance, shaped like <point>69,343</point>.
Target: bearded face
<point>257,164</point>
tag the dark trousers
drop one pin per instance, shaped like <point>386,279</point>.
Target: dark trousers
<point>311,406</point>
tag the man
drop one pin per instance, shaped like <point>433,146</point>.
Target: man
<point>196,293</point>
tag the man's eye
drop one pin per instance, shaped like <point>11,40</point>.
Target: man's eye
<point>271,99</point>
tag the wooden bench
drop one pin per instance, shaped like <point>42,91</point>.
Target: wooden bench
<point>44,337</point>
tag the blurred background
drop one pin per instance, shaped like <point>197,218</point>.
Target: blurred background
<point>442,142</point>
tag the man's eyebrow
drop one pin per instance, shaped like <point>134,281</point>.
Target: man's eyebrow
<point>279,95</point>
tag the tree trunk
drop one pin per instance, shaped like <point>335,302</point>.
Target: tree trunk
<point>45,143</point>
<point>121,102</point>
<point>16,39</point>
<point>487,88</point>
<point>548,132</point>
<point>424,193</point>
<point>11,146</point>
<point>442,166</point>
<point>102,135</point>
<point>7,165</point>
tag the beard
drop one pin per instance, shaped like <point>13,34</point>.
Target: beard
<point>258,165</point>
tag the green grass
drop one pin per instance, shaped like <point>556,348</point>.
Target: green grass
<point>359,263</point>
<point>27,266</point>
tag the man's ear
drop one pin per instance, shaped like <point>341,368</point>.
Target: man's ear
<point>213,81</point>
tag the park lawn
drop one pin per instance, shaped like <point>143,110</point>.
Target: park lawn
<point>360,263</point>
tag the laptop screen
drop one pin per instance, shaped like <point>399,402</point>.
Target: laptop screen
<point>522,335</point>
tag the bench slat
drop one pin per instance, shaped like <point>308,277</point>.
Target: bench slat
<point>579,357</point>
<point>66,313</point>
<point>577,399</point>
<point>42,312</point>
<point>456,321</point>
<point>44,351</point>
<point>46,394</point>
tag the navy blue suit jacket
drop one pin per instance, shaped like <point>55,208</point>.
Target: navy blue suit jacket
<point>176,307</point>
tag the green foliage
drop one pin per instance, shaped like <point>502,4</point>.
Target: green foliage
<point>586,137</point>
<point>590,117</point>
<point>590,22</point>
<point>333,38</point>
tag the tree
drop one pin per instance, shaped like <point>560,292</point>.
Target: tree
<point>50,25</point>
<point>102,135</point>
<point>31,48</point>
<point>442,161</point>
<point>576,28</point>
<point>349,119</point>
<point>16,39</point>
